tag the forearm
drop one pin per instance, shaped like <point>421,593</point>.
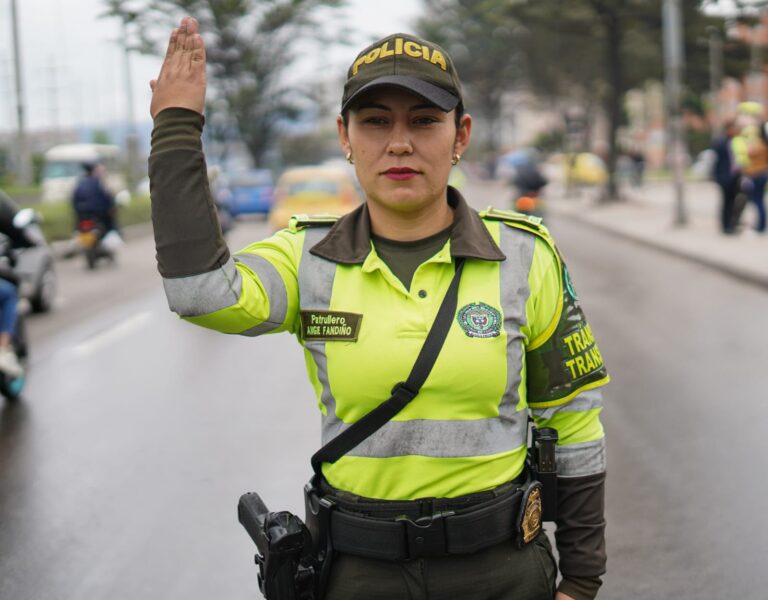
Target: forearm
<point>188,237</point>
<point>580,534</point>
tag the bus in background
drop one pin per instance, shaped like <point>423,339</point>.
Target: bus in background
<point>63,166</point>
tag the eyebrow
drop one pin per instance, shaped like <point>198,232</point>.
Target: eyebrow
<point>389,109</point>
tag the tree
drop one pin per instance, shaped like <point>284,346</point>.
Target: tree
<point>605,48</point>
<point>250,45</point>
<point>481,40</point>
<point>590,52</point>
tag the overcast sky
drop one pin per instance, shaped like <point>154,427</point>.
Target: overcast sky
<point>73,68</point>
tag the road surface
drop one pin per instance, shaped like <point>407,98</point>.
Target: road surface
<point>121,468</point>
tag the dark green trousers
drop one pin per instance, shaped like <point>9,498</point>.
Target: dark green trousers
<point>501,572</point>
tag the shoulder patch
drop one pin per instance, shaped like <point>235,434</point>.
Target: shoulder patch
<point>518,220</point>
<point>299,222</point>
<point>497,214</point>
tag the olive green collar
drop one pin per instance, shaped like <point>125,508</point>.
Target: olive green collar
<point>349,240</point>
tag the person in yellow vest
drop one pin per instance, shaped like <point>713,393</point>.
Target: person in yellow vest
<point>436,503</point>
<point>751,153</point>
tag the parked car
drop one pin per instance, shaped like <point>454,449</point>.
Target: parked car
<point>249,192</point>
<point>313,190</point>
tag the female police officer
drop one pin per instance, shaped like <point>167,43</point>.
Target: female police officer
<point>360,294</point>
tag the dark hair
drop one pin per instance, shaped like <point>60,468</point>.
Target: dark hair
<point>89,166</point>
<point>459,114</point>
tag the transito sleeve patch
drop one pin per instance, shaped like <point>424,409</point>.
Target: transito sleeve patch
<point>569,360</point>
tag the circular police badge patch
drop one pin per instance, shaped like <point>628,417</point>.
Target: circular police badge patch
<point>479,320</point>
<point>568,283</point>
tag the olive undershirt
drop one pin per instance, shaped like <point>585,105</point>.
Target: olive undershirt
<point>403,258</point>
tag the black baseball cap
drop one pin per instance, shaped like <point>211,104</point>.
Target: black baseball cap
<point>407,62</point>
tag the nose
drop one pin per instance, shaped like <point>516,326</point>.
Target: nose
<point>400,142</point>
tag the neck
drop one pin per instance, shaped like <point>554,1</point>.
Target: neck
<point>407,226</point>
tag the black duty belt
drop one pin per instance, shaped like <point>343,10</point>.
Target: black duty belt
<point>461,531</point>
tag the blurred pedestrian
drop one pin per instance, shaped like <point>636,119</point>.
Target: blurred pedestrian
<point>726,173</point>
<point>757,171</point>
<point>637,158</point>
<point>438,503</point>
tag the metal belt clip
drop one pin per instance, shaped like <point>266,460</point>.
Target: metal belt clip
<point>425,536</point>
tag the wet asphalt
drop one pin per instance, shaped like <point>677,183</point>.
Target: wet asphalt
<point>121,467</point>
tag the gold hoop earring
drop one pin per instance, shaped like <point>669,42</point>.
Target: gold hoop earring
<point>456,158</point>
<point>349,158</point>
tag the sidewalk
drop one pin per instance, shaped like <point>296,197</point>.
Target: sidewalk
<point>646,216</point>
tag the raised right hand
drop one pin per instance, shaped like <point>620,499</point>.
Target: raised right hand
<point>181,82</point>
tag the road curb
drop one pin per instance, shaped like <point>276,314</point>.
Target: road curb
<point>729,269</point>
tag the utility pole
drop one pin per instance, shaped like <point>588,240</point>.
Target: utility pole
<point>715,73</point>
<point>23,169</point>
<point>673,75</point>
<point>132,139</point>
<point>52,91</point>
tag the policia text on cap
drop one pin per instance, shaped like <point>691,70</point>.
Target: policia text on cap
<point>434,500</point>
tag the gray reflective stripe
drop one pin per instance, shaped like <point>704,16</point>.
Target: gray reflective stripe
<point>518,247</point>
<point>578,460</point>
<point>583,402</point>
<point>316,277</point>
<point>275,289</point>
<point>437,439</point>
<point>205,293</point>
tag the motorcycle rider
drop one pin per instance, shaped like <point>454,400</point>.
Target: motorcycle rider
<point>92,200</point>
<point>9,362</point>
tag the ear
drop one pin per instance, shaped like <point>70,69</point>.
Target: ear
<point>463,135</point>
<point>343,135</point>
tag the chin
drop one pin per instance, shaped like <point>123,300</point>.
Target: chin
<point>403,196</point>
<point>402,200</point>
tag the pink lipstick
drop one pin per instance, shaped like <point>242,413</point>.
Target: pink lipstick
<point>400,173</point>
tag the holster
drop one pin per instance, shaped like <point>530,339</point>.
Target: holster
<point>293,556</point>
<point>317,517</point>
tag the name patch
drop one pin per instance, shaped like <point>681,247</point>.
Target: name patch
<point>330,326</point>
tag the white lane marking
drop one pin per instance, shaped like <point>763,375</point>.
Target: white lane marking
<point>111,335</point>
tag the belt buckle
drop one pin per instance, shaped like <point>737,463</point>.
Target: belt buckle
<point>425,537</point>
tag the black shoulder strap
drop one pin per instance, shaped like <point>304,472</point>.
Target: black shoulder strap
<point>403,392</point>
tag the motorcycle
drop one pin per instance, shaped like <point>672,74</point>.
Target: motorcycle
<point>95,241</point>
<point>11,387</point>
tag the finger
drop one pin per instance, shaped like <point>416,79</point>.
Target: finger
<point>189,43</point>
<point>172,43</point>
<point>169,52</point>
<point>198,52</point>
<point>193,26</point>
<point>152,84</point>
<point>181,38</point>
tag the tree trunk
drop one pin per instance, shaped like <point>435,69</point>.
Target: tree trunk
<point>614,99</point>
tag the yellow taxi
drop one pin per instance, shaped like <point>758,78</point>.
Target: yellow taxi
<point>318,190</point>
<point>579,169</point>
